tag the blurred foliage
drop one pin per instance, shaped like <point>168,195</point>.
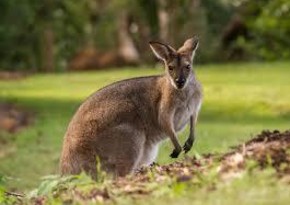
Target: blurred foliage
<point>22,26</point>
<point>268,22</point>
<point>17,34</point>
<point>2,193</point>
<point>27,27</point>
<point>4,199</point>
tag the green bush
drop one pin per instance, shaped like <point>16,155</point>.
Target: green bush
<point>269,28</point>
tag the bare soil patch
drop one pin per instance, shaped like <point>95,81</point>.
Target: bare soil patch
<point>14,118</point>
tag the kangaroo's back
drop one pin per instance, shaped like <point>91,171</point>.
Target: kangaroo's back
<point>130,100</point>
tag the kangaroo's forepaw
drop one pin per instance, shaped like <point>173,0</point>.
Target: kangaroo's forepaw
<point>175,153</point>
<point>188,145</point>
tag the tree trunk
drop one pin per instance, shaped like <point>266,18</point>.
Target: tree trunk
<point>91,27</point>
<point>163,21</point>
<point>47,61</point>
<point>127,49</point>
<point>47,49</point>
<point>196,3</point>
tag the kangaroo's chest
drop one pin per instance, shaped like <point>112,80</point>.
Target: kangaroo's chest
<point>184,109</point>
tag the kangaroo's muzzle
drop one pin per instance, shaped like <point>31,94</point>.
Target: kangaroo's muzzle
<point>180,82</point>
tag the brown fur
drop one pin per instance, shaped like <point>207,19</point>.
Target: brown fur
<point>123,123</point>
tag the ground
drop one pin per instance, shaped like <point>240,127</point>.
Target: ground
<point>262,165</point>
<point>240,100</point>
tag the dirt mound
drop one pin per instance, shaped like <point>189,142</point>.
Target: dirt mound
<point>13,118</point>
<point>266,149</point>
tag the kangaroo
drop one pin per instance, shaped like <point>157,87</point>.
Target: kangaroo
<point>123,123</point>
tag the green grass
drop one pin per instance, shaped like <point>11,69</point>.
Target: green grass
<point>239,101</point>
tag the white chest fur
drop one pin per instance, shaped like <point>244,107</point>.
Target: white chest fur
<point>185,108</point>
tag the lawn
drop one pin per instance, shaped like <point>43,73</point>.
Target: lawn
<point>240,100</point>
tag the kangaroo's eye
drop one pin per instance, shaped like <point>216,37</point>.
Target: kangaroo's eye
<point>170,68</point>
<point>188,67</point>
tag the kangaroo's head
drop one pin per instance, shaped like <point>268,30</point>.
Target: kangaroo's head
<point>178,63</point>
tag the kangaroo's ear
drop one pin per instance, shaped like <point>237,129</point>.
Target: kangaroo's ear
<point>162,51</point>
<point>189,47</point>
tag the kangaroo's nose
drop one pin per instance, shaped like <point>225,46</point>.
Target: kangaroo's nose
<point>180,82</point>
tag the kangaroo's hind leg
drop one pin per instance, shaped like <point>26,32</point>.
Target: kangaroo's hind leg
<point>77,157</point>
<point>120,149</point>
<point>149,155</point>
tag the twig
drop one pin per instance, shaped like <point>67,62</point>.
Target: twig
<point>244,149</point>
<point>14,194</point>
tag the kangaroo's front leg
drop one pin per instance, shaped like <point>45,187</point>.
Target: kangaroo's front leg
<point>167,124</point>
<point>190,140</point>
<point>177,147</point>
